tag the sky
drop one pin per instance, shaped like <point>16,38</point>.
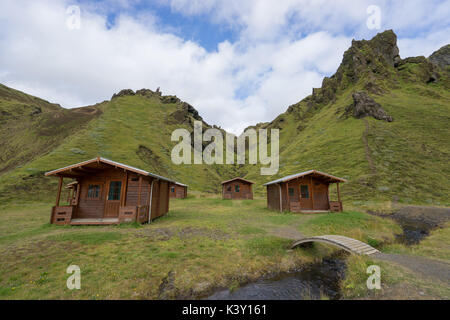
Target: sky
<point>238,62</point>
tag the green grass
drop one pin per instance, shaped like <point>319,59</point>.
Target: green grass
<point>436,245</point>
<point>370,229</point>
<point>205,243</point>
<point>87,238</point>
<point>397,283</point>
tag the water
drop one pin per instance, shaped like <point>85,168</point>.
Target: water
<point>413,231</point>
<point>317,280</point>
<point>314,281</point>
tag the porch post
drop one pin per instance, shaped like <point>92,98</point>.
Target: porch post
<point>124,198</point>
<point>312,193</point>
<point>58,195</point>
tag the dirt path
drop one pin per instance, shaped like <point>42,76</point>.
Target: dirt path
<point>367,148</point>
<point>437,270</point>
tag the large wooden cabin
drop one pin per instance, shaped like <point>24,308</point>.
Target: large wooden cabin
<point>304,192</point>
<point>178,190</point>
<point>109,192</point>
<point>237,188</point>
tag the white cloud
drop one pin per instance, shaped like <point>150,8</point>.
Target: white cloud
<point>283,50</point>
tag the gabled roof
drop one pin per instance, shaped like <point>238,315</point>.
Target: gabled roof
<point>71,185</point>
<point>306,173</point>
<point>180,184</point>
<point>242,179</point>
<point>108,162</point>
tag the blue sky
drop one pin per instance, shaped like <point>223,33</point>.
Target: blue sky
<point>238,62</point>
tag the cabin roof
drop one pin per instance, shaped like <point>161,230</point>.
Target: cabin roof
<point>108,162</point>
<point>242,179</point>
<point>330,178</point>
<point>70,185</point>
<point>180,184</point>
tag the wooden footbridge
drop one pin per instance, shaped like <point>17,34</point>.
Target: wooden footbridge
<point>348,244</point>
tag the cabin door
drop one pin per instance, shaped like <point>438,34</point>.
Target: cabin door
<point>113,197</point>
<point>321,196</point>
<point>305,196</point>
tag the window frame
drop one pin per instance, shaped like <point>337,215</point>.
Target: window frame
<point>99,195</point>
<point>307,191</point>
<point>237,188</point>
<point>109,190</point>
<point>291,192</point>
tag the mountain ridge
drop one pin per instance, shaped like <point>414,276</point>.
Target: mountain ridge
<point>339,118</point>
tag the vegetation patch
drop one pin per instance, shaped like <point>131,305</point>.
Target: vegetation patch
<point>357,225</point>
<point>87,238</point>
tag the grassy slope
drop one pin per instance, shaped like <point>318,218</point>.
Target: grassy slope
<point>30,127</point>
<point>409,155</point>
<point>202,244</point>
<point>134,130</point>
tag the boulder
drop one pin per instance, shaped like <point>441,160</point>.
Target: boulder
<point>364,106</point>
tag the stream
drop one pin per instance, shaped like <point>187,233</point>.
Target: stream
<point>312,282</point>
<point>317,280</point>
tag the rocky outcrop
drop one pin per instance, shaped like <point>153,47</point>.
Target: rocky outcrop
<point>373,59</point>
<point>441,57</point>
<point>364,106</point>
<point>122,93</point>
<point>183,114</point>
<point>422,70</point>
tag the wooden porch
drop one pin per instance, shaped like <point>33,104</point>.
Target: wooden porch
<point>106,192</point>
<point>62,215</point>
<point>306,192</point>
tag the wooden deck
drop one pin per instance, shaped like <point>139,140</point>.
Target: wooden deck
<point>348,244</point>
<point>94,222</point>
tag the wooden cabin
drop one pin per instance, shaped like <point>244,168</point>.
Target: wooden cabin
<point>178,190</point>
<point>306,192</point>
<point>237,188</point>
<point>109,192</point>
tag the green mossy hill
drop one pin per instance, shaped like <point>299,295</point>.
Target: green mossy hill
<point>133,127</point>
<point>380,121</point>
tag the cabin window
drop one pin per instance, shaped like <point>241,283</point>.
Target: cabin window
<point>236,188</point>
<point>229,188</point>
<point>305,192</point>
<point>291,192</point>
<point>93,191</point>
<point>114,190</point>
<point>172,189</point>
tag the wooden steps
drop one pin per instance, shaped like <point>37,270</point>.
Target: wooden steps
<point>94,222</point>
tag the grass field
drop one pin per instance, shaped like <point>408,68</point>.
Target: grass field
<point>202,244</point>
<point>399,282</point>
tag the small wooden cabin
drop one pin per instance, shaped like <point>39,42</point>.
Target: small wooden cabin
<point>178,190</point>
<point>109,192</point>
<point>306,192</point>
<point>237,188</point>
